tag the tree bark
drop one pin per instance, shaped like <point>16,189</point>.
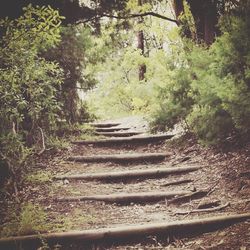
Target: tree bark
<point>210,22</point>
<point>205,17</point>
<point>178,8</point>
<point>140,46</point>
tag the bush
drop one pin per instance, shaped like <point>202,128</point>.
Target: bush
<point>210,87</point>
<point>29,83</point>
<point>72,54</point>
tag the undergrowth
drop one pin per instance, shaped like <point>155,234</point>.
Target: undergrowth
<point>39,177</point>
<point>208,88</point>
<point>28,219</point>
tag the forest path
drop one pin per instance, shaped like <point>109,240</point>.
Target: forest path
<point>134,203</point>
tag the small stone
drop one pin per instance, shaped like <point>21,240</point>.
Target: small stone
<point>66,182</point>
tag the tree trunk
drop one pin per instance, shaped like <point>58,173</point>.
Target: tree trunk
<point>197,9</point>
<point>205,17</point>
<point>140,46</point>
<point>210,22</point>
<point>178,8</point>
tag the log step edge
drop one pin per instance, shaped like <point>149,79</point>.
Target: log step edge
<point>126,197</point>
<point>112,129</point>
<point>104,125</point>
<point>122,140</point>
<point>129,232</point>
<point>118,134</point>
<point>157,172</point>
<point>146,157</point>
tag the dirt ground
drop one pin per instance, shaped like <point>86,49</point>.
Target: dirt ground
<point>224,173</point>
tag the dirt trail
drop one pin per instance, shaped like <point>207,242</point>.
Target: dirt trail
<point>205,188</point>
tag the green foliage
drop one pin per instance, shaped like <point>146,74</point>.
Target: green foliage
<point>74,54</point>
<point>39,177</point>
<point>132,6</point>
<point>188,26</point>
<point>78,218</point>
<point>172,101</point>
<point>13,151</point>
<point>209,88</point>
<point>31,219</point>
<point>28,82</point>
<point>28,89</point>
<point>57,143</point>
<point>119,92</point>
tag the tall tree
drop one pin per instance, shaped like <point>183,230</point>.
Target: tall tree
<point>140,46</point>
<point>205,15</point>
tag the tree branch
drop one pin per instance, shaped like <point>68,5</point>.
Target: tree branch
<point>130,16</point>
<point>141,15</point>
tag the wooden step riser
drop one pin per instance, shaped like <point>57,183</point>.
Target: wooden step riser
<point>125,141</point>
<point>106,130</point>
<point>133,158</point>
<point>104,125</point>
<point>118,134</point>
<point>181,228</point>
<point>145,197</point>
<point>127,198</point>
<point>118,161</point>
<point>142,174</point>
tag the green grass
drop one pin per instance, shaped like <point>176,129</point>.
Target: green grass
<point>76,219</point>
<point>30,220</point>
<point>40,177</point>
<point>54,142</point>
<point>33,219</point>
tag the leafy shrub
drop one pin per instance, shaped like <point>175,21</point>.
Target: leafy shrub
<point>73,56</point>
<point>209,87</point>
<point>28,90</point>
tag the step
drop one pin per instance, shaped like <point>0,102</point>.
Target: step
<point>126,140</point>
<point>122,158</point>
<point>118,134</point>
<point>155,172</point>
<point>104,125</point>
<point>127,197</point>
<point>111,129</point>
<point>182,228</point>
